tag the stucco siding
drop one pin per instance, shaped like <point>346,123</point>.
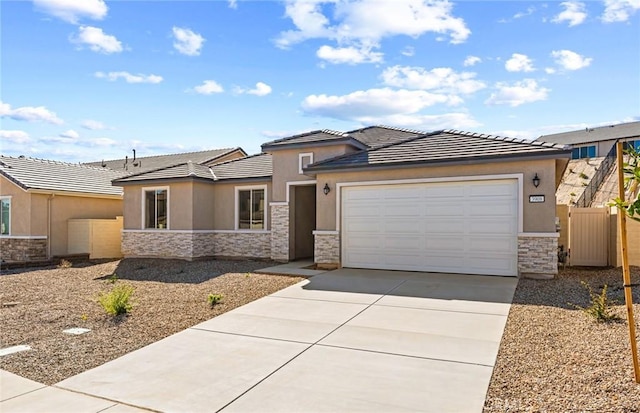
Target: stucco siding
<point>20,208</point>
<point>538,217</point>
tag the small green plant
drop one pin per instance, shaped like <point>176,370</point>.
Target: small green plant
<point>214,299</point>
<point>118,300</point>
<point>600,305</point>
<point>572,194</point>
<point>113,278</point>
<point>65,264</point>
<point>583,175</point>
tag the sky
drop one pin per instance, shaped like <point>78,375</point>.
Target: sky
<point>93,79</point>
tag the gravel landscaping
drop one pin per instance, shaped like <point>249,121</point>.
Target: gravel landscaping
<point>554,358</point>
<point>170,296</point>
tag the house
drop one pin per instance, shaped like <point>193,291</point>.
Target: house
<point>589,229</point>
<point>376,197</point>
<point>40,196</point>
<point>49,208</point>
<point>596,142</point>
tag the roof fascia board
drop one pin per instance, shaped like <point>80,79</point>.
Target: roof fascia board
<point>166,181</point>
<point>75,194</point>
<point>473,161</point>
<point>329,142</point>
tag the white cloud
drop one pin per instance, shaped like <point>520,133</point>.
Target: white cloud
<point>128,77</point>
<point>208,87</point>
<point>361,25</point>
<point>349,55</point>
<point>550,70</point>
<point>528,12</point>
<point>454,120</point>
<point>70,134</point>
<point>408,51</point>
<point>574,13</point>
<point>518,93</point>
<point>471,61</point>
<point>519,63</point>
<point>93,125</point>
<point>569,60</point>
<point>97,40</point>
<point>233,4</point>
<point>261,89</point>
<point>102,142</point>
<point>29,114</point>
<point>619,10</point>
<point>14,136</point>
<point>373,103</point>
<point>440,79</point>
<point>187,42</point>
<point>73,10</point>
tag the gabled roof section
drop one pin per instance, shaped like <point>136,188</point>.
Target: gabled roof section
<point>256,166</point>
<point>441,147</point>
<point>313,138</point>
<point>602,133</point>
<point>148,163</point>
<point>54,176</point>
<point>376,136</point>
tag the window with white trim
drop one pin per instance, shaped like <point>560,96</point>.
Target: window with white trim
<point>5,216</point>
<point>304,159</point>
<point>584,152</point>
<point>251,211</point>
<point>156,207</point>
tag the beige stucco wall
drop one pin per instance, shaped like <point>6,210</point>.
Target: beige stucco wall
<point>20,209</point>
<point>538,217</point>
<point>286,165</point>
<point>64,208</point>
<point>192,205</point>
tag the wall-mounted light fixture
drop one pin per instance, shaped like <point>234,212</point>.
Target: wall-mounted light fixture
<point>536,180</point>
<point>326,189</point>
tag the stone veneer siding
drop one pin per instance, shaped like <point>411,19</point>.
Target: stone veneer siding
<point>190,245</point>
<point>538,254</point>
<point>327,248</point>
<point>280,232</point>
<point>23,249</point>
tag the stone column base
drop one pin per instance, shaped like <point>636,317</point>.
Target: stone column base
<point>23,249</point>
<point>280,232</point>
<point>538,255</point>
<point>327,249</point>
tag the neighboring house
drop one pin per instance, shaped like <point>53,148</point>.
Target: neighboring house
<point>39,197</point>
<point>596,142</point>
<point>376,197</point>
<point>49,208</point>
<point>591,236</point>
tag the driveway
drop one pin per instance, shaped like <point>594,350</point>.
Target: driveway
<point>347,340</point>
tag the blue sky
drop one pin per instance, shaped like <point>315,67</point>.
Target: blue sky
<point>93,79</point>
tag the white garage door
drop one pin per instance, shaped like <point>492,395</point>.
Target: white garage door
<point>456,227</point>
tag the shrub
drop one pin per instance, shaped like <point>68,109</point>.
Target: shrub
<point>118,300</point>
<point>65,264</point>
<point>600,307</point>
<point>113,278</point>
<point>214,299</point>
<point>583,175</point>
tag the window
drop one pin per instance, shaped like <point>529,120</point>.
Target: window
<point>251,211</point>
<point>304,159</point>
<point>584,152</point>
<point>633,144</point>
<point>5,216</point>
<point>155,208</point>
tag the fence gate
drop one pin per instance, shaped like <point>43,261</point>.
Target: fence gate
<point>589,236</point>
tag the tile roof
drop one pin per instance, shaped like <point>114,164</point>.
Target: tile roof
<point>147,163</point>
<point>41,174</point>
<point>369,137</point>
<point>313,137</point>
<point>602,133</point>
<point>375,136</point>
<point>255,166</point>
<point>445,146</point>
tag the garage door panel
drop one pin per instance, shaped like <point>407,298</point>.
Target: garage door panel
<point>463,227</point>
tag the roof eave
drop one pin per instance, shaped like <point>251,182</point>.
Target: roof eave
<point>329,142</point>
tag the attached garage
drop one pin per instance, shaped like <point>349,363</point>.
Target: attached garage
<point>455,227</point>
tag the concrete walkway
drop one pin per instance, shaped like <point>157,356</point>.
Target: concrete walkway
<point>347,340</point>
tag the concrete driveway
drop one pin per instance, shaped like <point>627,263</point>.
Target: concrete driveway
<point>347,340</point>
